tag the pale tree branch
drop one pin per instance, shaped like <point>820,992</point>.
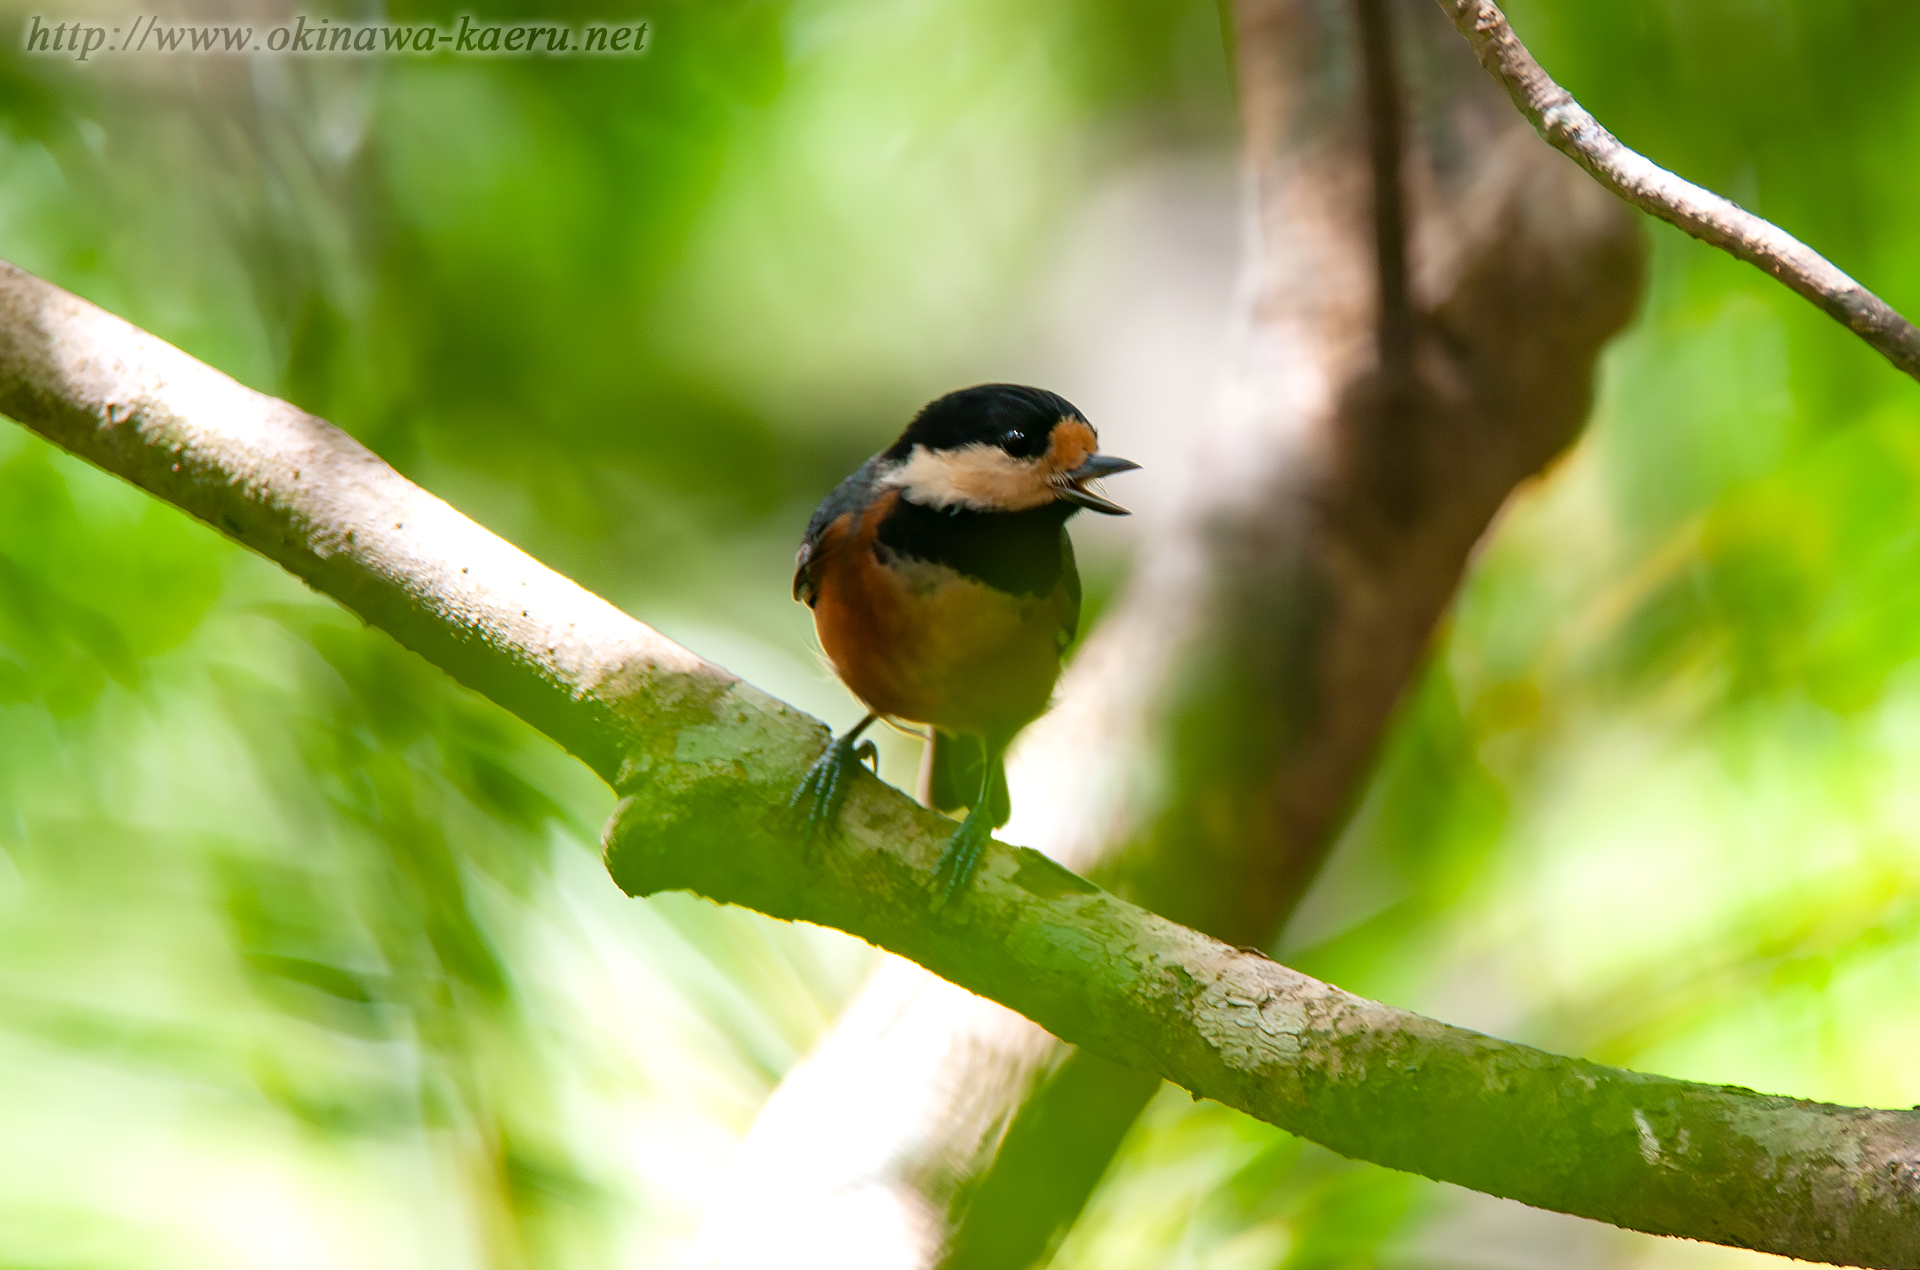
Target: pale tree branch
<point>313,500</point>
<point>1710,1162</point>
<point>705,763</point>
<point>1679,202</point>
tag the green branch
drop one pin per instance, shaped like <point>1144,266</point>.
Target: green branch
<point>705,763</point>
<point>1715,1163</point>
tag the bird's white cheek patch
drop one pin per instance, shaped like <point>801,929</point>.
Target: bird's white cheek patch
<point>981,477</point>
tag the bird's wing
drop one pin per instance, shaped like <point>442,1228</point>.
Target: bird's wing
<point>802,577</point>
<point>849,495</point>
<point>1070,592</point>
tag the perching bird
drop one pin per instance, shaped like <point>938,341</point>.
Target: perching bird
<point>944,592</point>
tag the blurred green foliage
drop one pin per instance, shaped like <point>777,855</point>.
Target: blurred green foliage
<point>1654,801</point>
<point>305,958</point>
<point>305,955</point>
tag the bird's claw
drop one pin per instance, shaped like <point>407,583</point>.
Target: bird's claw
<point>822,792</point>
<point>962,857</point>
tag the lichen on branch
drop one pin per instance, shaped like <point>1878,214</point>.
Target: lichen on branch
<point>704,762</point>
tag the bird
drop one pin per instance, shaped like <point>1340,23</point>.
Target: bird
<point>944,593</point>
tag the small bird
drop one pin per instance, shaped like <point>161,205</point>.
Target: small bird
<point>944,592</point>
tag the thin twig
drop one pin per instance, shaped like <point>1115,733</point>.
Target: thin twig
<point>1653,189</point>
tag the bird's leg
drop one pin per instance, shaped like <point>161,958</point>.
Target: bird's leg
<point>823,790</point>
<point>955,870</point>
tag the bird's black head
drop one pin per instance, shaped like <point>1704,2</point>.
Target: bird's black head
<point>1000,448</point>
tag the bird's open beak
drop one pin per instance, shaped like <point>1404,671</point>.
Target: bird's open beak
<point>1093,469</point>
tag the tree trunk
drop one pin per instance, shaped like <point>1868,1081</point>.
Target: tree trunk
<point>1407,352</point>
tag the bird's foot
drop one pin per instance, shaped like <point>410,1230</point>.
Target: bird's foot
<point>823,790</point>
<point>962,857</point>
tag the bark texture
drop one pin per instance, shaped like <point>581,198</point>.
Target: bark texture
<point>309,497</point>
<point>705,764</point>
<point>1214,732</point>
<point>1679,202</point>
<point>1802,1179</point>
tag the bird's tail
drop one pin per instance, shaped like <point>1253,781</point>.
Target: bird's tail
<point>950,778</point>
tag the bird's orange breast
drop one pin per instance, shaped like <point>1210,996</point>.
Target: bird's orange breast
<point>925,643</point>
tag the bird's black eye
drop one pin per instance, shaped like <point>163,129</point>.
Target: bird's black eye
<point>1012,439</point>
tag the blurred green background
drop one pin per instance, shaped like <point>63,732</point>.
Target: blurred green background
<point>305,955</point>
